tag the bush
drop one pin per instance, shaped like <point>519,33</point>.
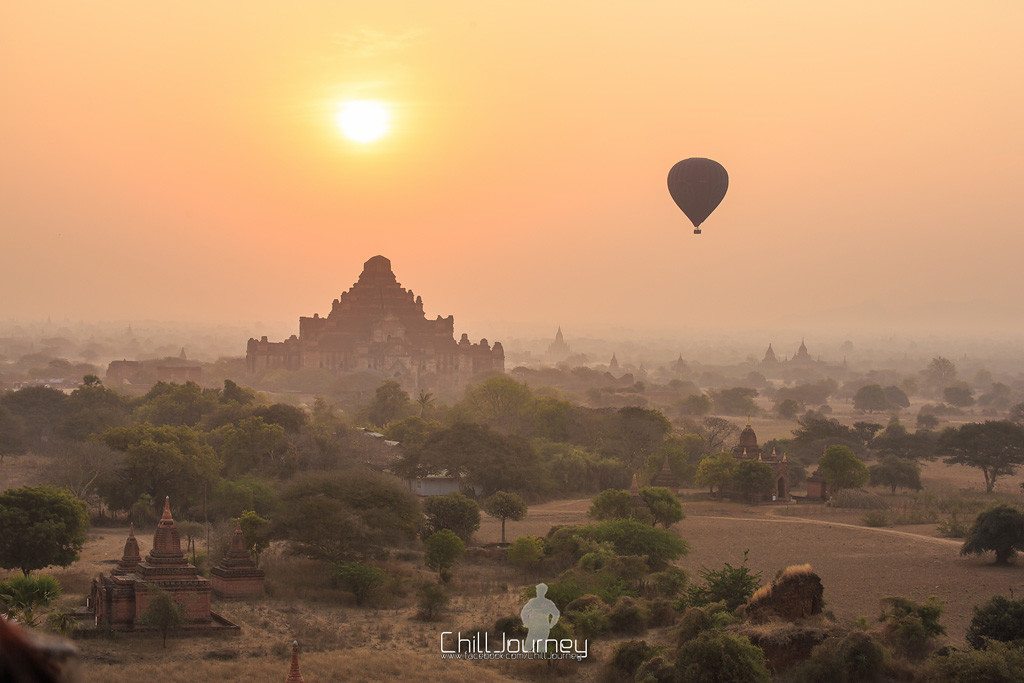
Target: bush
<point>853,658</point>
<point>630,537</point>
<point>1000,529</point>
<point>526,552</point>
<point>444,548</point>
<point>455,512</point>
<point>661,613</point>
<point>858,499</point>
<point>715,656</point>
<point>628,656</point>
<point>912,627</point>
<point>511,627</point>
<point>627,615</point>
<point>877,518</point>
<point>590,622</point>
<point>731,585</point>
<point>361,580</point>
<point>696,620</point>
<point>657,669</point>
<point>953,527</point>
<point>668,583</point>
<point>998,662</point>
<point>1000,619</point>
<point>433,598</point>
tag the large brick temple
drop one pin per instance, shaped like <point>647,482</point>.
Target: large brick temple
<point>120,599</point>
<point>378,326</point>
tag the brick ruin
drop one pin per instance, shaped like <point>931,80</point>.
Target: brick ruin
<point>748,449</point>
<point>378,326</point>
<point>120,599</point>
<point>236,575</point>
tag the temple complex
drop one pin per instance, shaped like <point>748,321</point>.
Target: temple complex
<point>378,326</point>
<point>558,350</point>
<point>121,598</point>
<point>748,449</point>
<point>237,576</point>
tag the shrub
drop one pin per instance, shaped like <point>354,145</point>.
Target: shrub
<point>877,518</point>
<point>660,613</point>
<point>953,527</point>
<point>912,627</point>
<point>857,499</point>
<point>997,662</point>
<point>731,585</point>
<point>526,552</point>
<point>718,656</point>
<point>590,622</point>
<point>696,620</point>
<point>657,669</point>
<point>432,600</point>
<point>1000,529</point>
<point>842,469</point>
<point>628,656</point>
<point>853,658</point>
<point>1000,619</point>
<point>511,627</point>
<point>611,504</point>
<point>668,583</point>
<point>21,595</point>
<point>361,580</point>
<point>444,548</point>
<point>630,537</point>
<point>628,615</point>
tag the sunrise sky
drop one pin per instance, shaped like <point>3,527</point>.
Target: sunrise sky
<point>182,161</point>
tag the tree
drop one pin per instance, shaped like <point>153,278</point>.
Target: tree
<point>12,432</point>
<point>444,549</point>
<point>912,627</point>
<point>41,527</point>
<point>716,471</point>
<point>926,421</point>
<point>251,444</point>
<point>21,596</point>
<point>501,403</point>
<point>454,512</point>
<point>941,372</point>
<point>390,402</point>
<point>425,400</point>
<point>731,585</point>
<point>752,479</point>
<point>638,432</point>
<point>177,404</point>
<point>611,504</point>
<point>715,432</point>
<point>504,505</point>
<point>717,656</point>
<point>735,401</point>
<point>361,580</point>
<point>163,614</point>
<point>159,461</point>
<point>842,469</point>
<point>1000,619</point>
<point>959,395</point>
<point>787,408</point>
<point>896,397</point>
<point>290,418</point>
<point>1016,414</point>
<point>526,552</point>
<point>696,405</point>
<point>346,514</point>
<point>994,447</point>
<point>896,473</point>
<point>39,411</point>
<point>871,398</point>
<point>632,537</point>
<point>663,505</point>
<point>92,409</point>
<point>1000,529</point>
<point>256,533</point>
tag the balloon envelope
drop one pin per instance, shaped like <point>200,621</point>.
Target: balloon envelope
<point>698,186</point>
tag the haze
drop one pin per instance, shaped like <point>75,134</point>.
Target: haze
<point>180,161</point>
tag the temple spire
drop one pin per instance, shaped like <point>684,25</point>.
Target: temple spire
<point>166,516</point>
<point>294,675</point>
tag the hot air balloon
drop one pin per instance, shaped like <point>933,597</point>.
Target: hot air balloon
<point>698,186</point>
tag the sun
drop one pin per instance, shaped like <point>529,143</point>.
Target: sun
<point>363,121</point>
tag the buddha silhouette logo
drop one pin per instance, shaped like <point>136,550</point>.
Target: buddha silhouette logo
<point>539,615</point>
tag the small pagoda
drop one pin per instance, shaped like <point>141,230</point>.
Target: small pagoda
<point>237,576</point>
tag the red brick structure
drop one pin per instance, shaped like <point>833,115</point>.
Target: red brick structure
<point>294,675</point>
<point>119,599</point>
<point>237,576</point>
<point>748,449</point>
<point>378,326</point>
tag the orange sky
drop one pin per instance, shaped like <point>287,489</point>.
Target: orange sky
<point>179,160</point>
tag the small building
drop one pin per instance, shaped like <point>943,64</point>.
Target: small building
<point>121,598</point>
<point>236,575</point>
<point>749,449</point>
<point>434,485</point>
<point>816,488</point>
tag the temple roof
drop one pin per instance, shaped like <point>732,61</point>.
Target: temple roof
<point>748,439</point>
<point>166,541</point>
<point>131,556</point>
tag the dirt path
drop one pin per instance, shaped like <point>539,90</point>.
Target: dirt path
<point>771,517</point>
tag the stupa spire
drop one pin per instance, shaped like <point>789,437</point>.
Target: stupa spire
<point>294,675</point>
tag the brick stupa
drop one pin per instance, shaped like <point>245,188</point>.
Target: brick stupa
<point>237,576</point>
<point>294,675</point>
<point>119,599</point>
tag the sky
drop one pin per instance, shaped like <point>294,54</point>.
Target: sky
<point>180,161</point>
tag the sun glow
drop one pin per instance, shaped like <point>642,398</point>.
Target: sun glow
<point>363,121</point>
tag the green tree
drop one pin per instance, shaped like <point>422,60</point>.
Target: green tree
<point>256,532</point>
<point>959,395</point>
<point>663,505</point>
<point>444,548</point>
<point>346,514</point>
<point>290,418</point>
<point>526,552</point>
<point>390,402</point>
<point>716,656</point>
<point>632,537</point>
<point>842,469</point>
<point>611,504</point>
<point>12,432</point>
<point>994,447</point>
<point>912,627</point>
<point>696,405</point>
<point>232,497</point>
<point>753,479</point>
<point>716,471</point>
<point>92,409</point>
<point>940,373</point>
<point>787,408</point>
<point>1000,619</point>
<point>38,410</point>
<point>501,403</point>
<point>159,461</point>
<point>251,444</point>
<point>361,580</point>
<point>177,404</point>
<point>432,600</point>
<point>735,401</point>
<point>731,585</point>
<point>504,505</point>
<point>163,614</point>
<point>871,398</point>
<point>21,596</point>
<point>1000,530</point>
<point>424,400</point>
<point>454,512</point>
<point>896,473</point>
<point>41,527</point>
